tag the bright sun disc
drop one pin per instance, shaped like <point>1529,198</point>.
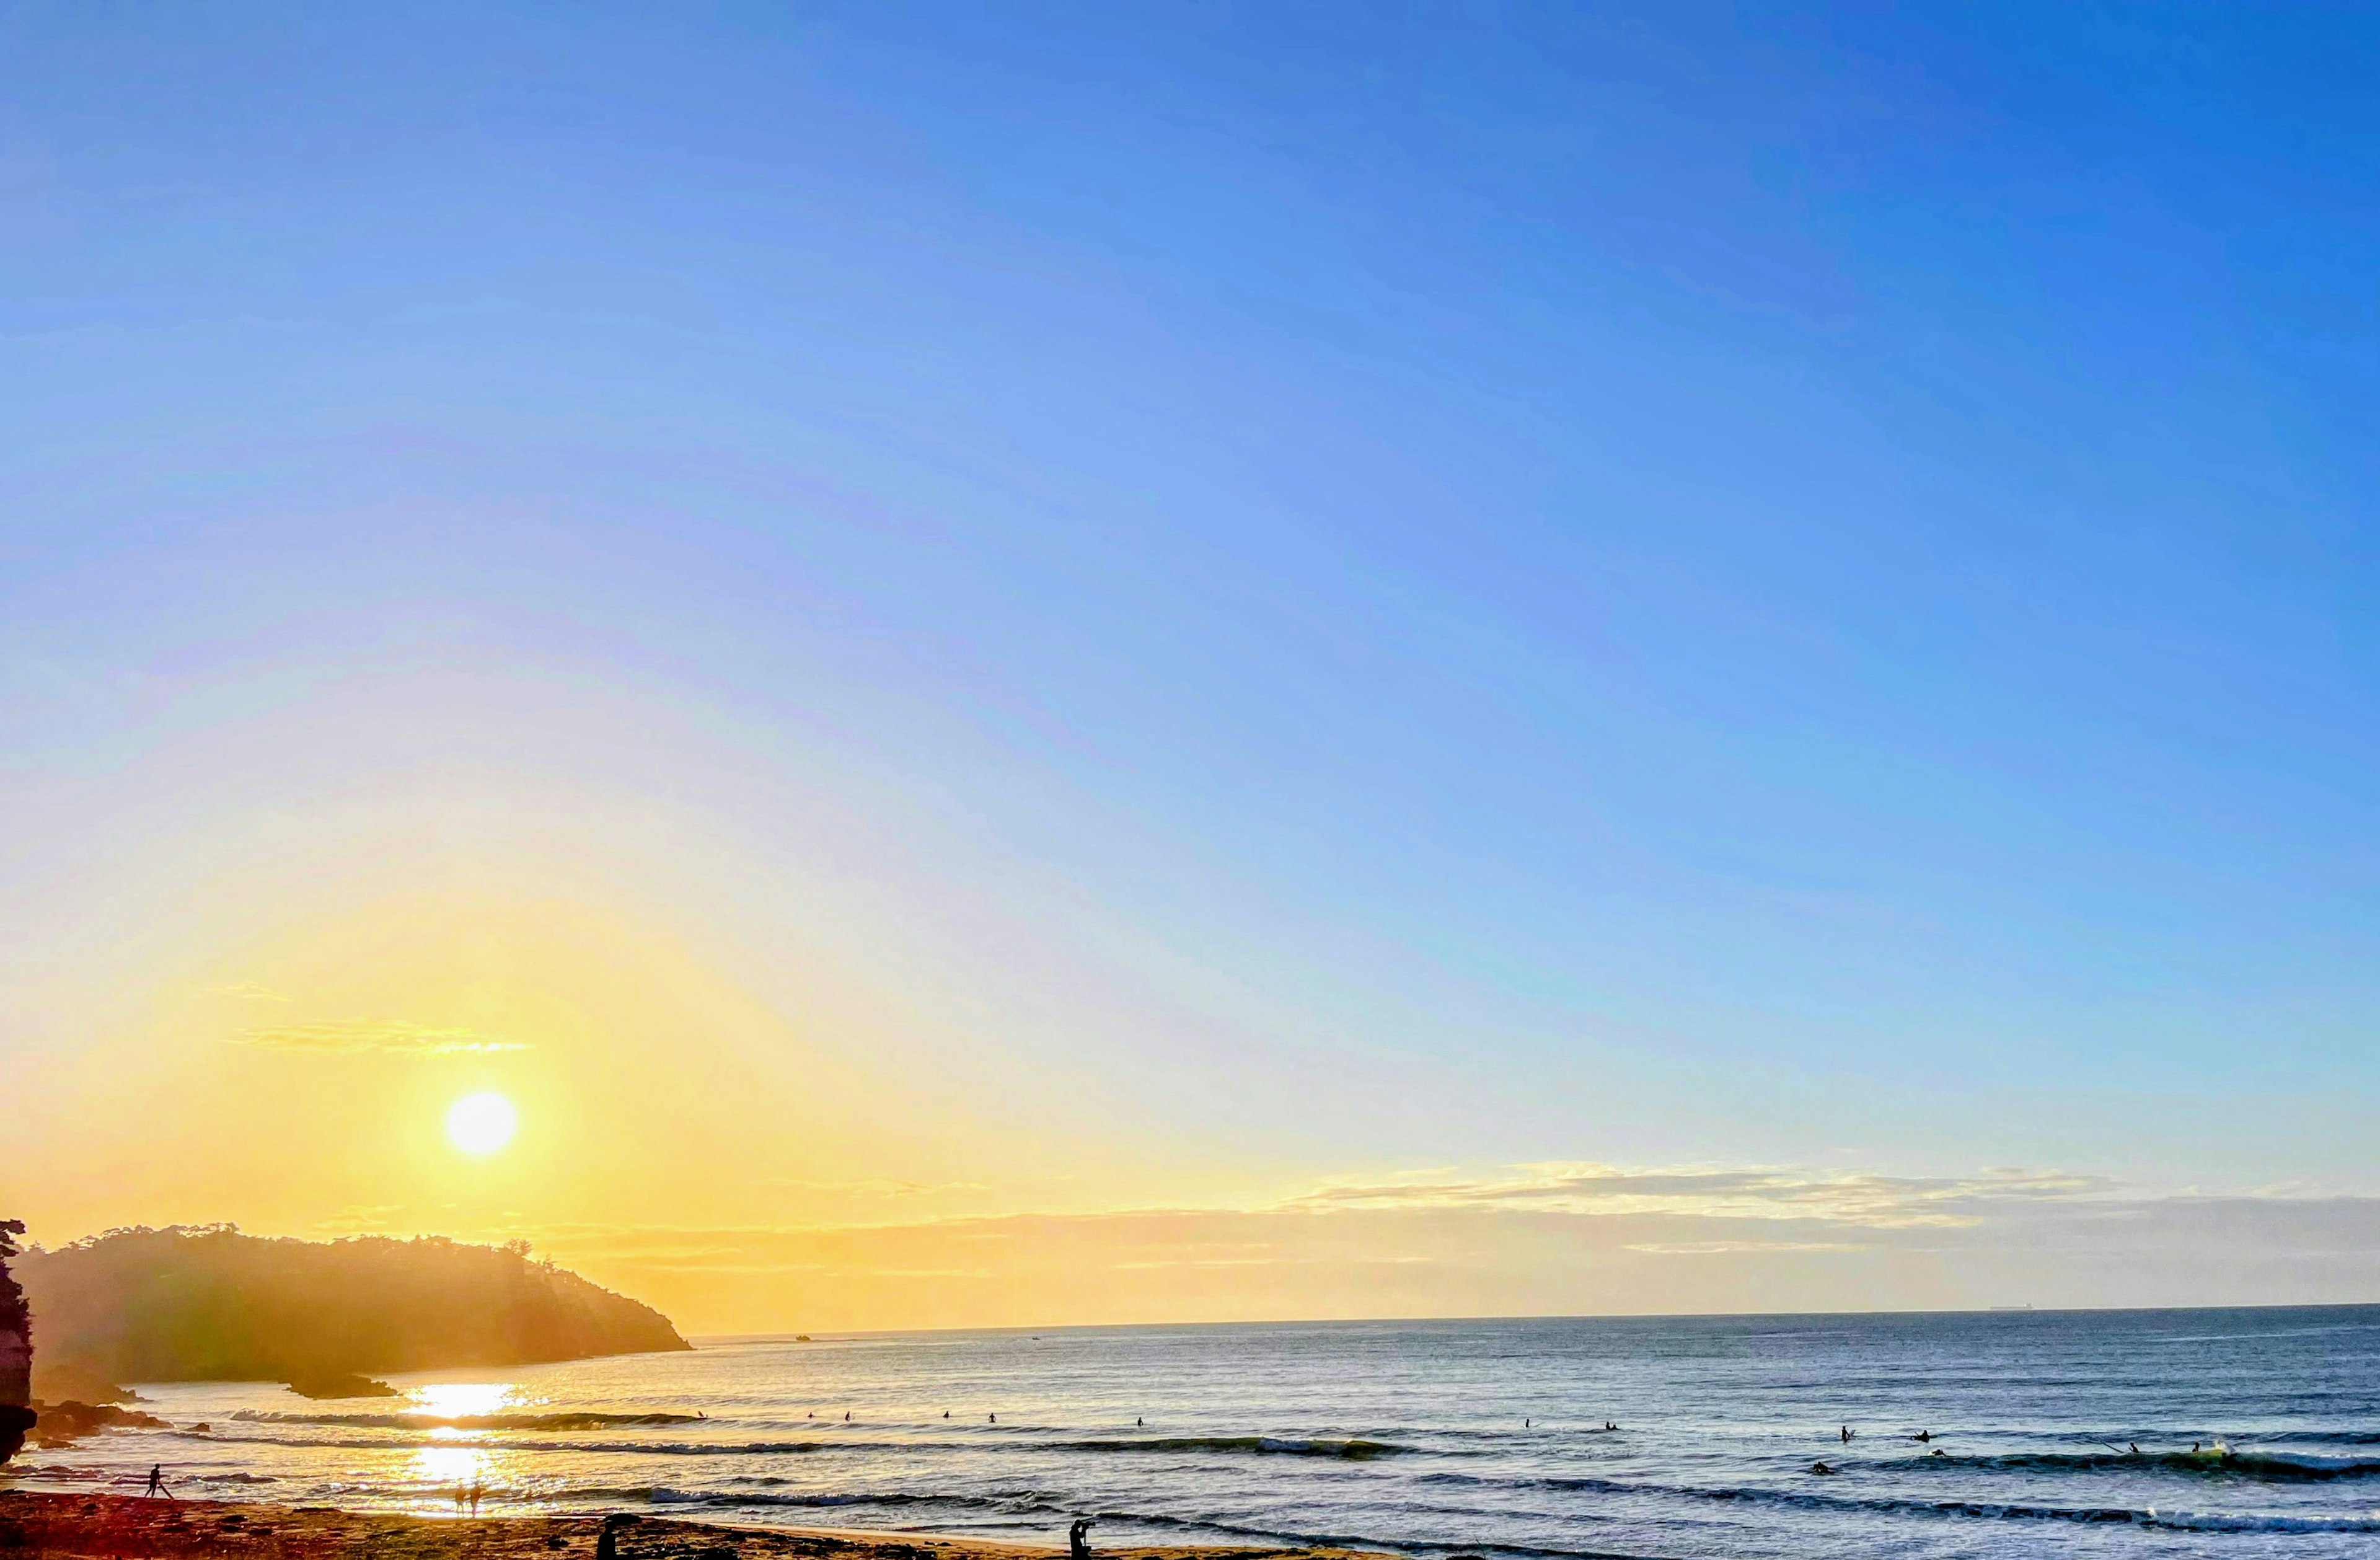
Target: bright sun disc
<point>481,1123</point>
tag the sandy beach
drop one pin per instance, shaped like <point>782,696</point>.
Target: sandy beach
<point>36,1524</point>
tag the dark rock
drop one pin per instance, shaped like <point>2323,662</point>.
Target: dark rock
<point>337,1385</point>
<point>17,1421</point>
<point>59,1423</point>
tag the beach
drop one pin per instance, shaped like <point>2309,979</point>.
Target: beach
<point>36,1524</point>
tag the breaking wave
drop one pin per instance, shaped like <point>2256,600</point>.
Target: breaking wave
<point>469,1421</point>
<point>1356,1449</point>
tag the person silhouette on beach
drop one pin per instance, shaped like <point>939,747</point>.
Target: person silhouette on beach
<point>607,1541</point>
<point>1078,1542</point>
<point>156,1486</point>
<point>478,1489</point>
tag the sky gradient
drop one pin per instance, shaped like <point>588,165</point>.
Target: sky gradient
<point>1035,664</point>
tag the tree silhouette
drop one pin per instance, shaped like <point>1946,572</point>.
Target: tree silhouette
<point>16,1347</point>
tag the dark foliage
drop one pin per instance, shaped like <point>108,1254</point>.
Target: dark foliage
<point>16,1349</point>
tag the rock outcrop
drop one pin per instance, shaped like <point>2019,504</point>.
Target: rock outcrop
<point>338,1387</point>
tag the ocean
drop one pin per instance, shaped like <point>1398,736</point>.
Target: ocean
<point>1429,1438</point>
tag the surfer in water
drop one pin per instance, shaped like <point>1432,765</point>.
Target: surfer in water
<point>1848,1433</point>
<point>1820,1467</point>
<point>1923,1436</point>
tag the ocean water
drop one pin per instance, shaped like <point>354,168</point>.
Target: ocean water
<point>1430,1438</point>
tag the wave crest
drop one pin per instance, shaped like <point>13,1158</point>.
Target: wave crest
<point>471,1421</point>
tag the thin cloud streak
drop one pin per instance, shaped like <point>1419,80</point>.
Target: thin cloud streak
<point>381,1037</point>
<point>1882,1202</point>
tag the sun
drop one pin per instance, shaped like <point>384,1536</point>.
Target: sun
<point>481,1123</point>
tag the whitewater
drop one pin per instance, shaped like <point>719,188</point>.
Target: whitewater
<point>1427,1438</point>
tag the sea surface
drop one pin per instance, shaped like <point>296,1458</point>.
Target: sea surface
<point>1431,1438</point>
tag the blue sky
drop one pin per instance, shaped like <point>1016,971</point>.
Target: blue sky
<point>1653,584</point>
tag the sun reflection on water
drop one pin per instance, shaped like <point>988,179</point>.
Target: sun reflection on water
<point>454,1400</point>
<point>451,1474</point>
<point>446,1467</point>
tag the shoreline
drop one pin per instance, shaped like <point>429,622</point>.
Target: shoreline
<point>40,1523</point>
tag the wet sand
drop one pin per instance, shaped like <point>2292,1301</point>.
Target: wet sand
<point>34,1524</point>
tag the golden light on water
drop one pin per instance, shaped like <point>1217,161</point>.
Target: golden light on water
<point>481,1123</point>
<point>444,1467</point>
<point>452,1464</point>
<point>454,1400</point>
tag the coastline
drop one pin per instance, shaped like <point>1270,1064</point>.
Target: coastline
<point>36,1523</point>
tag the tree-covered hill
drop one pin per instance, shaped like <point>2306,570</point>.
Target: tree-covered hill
<point>212,1304</point>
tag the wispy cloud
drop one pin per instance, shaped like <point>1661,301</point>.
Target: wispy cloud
<point>1730,1247</point>
<point>386,1037</point>
<point>247,990</point>
<point>878,1188</point>
<point>1883,1202</point>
